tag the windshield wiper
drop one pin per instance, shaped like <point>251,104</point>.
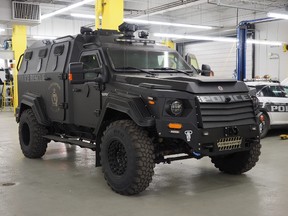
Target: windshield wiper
<point>135,68</point>
<point>172,69</point>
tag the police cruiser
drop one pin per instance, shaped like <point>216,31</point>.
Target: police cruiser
<point>273,103</point>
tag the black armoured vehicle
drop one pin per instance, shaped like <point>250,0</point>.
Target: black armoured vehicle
<point>135,104</point>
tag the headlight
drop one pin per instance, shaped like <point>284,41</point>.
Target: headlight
<point>176,108</point>
<point>256,103</point>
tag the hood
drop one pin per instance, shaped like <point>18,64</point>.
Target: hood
<point>198,85</point>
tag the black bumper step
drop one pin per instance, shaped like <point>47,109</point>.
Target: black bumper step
<point>72,142</point>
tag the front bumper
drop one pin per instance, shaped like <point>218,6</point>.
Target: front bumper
<point>213,141</point>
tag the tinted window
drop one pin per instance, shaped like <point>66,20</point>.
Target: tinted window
<point>90,62</point>
<point>272,91</point>
<point>147,59</point>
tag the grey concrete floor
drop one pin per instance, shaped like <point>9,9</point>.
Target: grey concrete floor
<point>65,182</point>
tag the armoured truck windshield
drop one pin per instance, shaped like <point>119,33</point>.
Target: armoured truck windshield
<point>155,60</point>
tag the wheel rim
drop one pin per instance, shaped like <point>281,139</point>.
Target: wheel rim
<point>25,134</point>
<point>117,157</point>
<point>262,125</point>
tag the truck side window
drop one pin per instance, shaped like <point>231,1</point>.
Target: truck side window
<point>90,62</point>
<point>27,57</point>
<point>58,51</point>
<point>42,54</point>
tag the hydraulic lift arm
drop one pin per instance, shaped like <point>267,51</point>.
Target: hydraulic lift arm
<point>242,30</point>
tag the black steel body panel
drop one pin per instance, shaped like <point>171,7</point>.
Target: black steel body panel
<point>44,86</point>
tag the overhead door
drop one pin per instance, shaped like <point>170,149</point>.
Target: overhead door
<point>220,56</point>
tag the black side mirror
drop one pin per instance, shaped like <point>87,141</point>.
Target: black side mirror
<point>205,67</point>
<point>77,74</point>
<point>206,70</point>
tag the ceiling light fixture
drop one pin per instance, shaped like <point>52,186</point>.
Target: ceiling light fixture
<point>150,22</point>
<point>217,39</point>
<point>264,42</point>
<point>85,16</point>
<point>2,30</point>
<point>277,15</point>
<point>147,22</point>
<point>78,4</point>
<point>41,37</point>
<point>197,37</point>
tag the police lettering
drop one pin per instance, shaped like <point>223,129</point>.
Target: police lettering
<point>223,99</point>
<point>280,108</point>
<point>31,77</point>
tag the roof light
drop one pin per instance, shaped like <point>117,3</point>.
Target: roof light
<point>277,15</point>
<point>78,4</point>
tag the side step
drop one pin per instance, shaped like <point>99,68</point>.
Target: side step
<point>72,142</point>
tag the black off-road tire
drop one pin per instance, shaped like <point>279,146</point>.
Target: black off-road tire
<point>31,133</point>
<point>127,157</point>
<point>238,163</point>
<point>266,126</point>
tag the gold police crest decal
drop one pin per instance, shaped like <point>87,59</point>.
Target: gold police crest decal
<point>54,91</point>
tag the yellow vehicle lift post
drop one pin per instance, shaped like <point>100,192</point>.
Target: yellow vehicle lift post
<point>19,44</point>
<point>112,13</point>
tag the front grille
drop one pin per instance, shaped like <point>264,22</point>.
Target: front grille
<point>228,144</point>
<point>211,115</point>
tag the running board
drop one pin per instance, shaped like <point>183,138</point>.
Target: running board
<point>72,142</point>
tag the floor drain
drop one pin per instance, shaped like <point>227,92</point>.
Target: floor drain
<point>8,184</point>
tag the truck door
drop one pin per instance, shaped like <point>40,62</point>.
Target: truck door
<point>54,81</point>
<point>87,96</point>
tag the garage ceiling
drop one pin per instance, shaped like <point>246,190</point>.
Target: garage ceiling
<point>162,5</point>
<point>185,11</point>
<point>225,14</point>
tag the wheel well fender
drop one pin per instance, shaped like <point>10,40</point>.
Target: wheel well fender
<point>117,108</point>
<point>124,107</point>
<point>34,102</point>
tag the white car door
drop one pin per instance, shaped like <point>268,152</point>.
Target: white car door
<point>275,101</point>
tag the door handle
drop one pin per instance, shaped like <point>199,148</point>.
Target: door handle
<point>47,78</point>
<point>76,90</point>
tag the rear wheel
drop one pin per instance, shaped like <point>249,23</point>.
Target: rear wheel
<point>239,162</point>
<point>31,133</point>
<point>127,157</point>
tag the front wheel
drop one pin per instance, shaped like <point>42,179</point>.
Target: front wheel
<point>31,133</point>
<point>238,163</point>
<point>127,157</point>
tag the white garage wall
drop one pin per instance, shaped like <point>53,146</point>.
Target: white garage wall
<point>58,27</point>
<point>220,56</point>
<point>271,59</point>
